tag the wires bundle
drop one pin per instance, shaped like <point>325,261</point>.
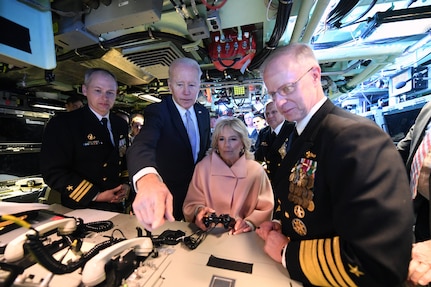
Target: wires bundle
<point>283,14</point>
<point>342,9</point>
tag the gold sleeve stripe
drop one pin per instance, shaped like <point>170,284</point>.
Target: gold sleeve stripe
<point>339,262</point>
<point>331,263</point>
<point>322,243</point>
<point>309,263</point>
<point>321,263</point>
<point>72,194</point>
<point>83,187</point>
<point>81,190</point>
<point>84,192</point>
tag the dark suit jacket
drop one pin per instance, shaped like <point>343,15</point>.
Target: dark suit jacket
<point>79,161</point>
<point>163,144</point>
<point>407,148</point>
<point>353,215</point>
<point>268,151</point>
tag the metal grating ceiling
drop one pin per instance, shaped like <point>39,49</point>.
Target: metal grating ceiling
<point>155,58</point>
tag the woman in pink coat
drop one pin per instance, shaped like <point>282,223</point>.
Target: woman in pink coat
<point>229,181</point>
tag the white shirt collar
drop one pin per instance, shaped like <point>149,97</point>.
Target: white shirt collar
<point>99,117</point>
<point>278,128</point>
<point>300,126</point>
<point>183,110</point>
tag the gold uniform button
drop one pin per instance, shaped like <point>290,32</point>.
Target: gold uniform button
<point>105,164</point>
<point>299,211</point>
<point>105,179</point>
<point>299,227</point>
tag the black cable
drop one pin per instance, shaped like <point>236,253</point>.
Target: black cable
<point>354,21</point>
<point>282,19</point>
<point>36,247</point>
<point>99,226</point>
<point>343,8</point>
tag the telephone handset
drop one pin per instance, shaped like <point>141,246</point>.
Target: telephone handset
<point>14,250</point>
<point>94,270</point>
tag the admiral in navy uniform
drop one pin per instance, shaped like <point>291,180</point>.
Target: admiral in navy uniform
<point>271,141</point>
<point>343,208</point>
<point>80,157</point>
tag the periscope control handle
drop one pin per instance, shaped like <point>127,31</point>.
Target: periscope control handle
<point>14,250</point>
<point>94,269</point>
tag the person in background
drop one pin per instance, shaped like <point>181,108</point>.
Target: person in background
<point>213,120</point>
<point>416,144</point>
<point>259,122</point>
<point>136,123</point>
<point>271,142</point>
<point>229,181</point>
<point>252,132</point>
<point>81,158</point>
<point>343,213</point>
<point>73,103</point>
<point>162,158</point>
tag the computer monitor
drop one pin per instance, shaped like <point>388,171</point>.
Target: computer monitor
<point>399,122</point>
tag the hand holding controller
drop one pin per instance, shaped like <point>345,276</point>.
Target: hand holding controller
<point>227,221</point>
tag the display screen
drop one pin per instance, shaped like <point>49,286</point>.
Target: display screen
<point>16,129</point>
<point>20,141</point>
<point>399,123</point>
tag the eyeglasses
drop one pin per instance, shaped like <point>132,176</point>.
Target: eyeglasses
<point>288,88</point>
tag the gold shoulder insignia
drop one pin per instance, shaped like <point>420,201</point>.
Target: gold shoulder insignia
<point>91,137</point>
<point>355,270</point>
<point>309,154</point>
<point>69,188</point>
<point>282,151</point>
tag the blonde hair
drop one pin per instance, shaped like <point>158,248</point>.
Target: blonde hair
<point>237,126</point>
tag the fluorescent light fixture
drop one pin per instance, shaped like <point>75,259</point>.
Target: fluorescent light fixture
<point>149,98</point>
<point>49,107</point>
<point>46,104</point>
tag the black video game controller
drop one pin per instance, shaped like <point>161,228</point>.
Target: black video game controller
<point>225,219</point>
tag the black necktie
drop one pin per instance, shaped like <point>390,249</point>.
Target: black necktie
<point>272,138</point>
<point>292,137</point>
<point>105,124</point>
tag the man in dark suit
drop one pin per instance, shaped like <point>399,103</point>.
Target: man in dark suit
<point>420,266</point>
<point>161,160</point>
<point>343,214</point>
<point>80,157</point>
<point>270,144</point>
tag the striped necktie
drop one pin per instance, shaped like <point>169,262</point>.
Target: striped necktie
<point>191,131</point>
<point>417,162</point>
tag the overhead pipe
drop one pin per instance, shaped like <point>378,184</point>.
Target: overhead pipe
<point>301,19</point>
<point>318,12</point>
<point>374,67</point>
<point>358,52</point>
